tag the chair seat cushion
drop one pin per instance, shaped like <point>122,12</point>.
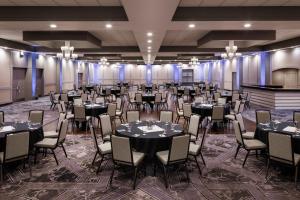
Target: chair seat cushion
<point>46,143</point>
<point>106,138</point>
<point>230,117</point>
<point>194,149</point>
<point>118,113</point>
<point>105,148</point>
<point>70,116</point>
<point>248,135</point>
<point>51,134</point>
<point>193,138</point>
<point>180,113</point>
<point>137,157</point>
<point>254,144</point>
<point>163,156</point>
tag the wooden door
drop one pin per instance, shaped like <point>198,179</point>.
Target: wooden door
<point>18,85</point>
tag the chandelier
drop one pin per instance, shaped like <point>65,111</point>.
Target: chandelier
<point>180,65</point>
<point>194,61</point>
<point>231,51</point>
<point>67,52</point>
<point>103,61</point>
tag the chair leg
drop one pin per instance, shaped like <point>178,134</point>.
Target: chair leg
<point>135,176</point>
<point>112,175</point>
<point>29,165</point>
<point>99,170</point>
<point>94,158</point>
<point>195,157</point>
<point>62,145</point>
<point>268,167</point>
<point>1,173</point>
<point>187,172</point>
<point>165,176</point>
<point>35,155</point>
<point>202,159</point>
<point>237,150</point>
<point>54,156</point>
<point>296,173</point>
<point>248,151</point>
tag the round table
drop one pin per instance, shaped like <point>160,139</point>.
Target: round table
<point>35,131</point>
<point>205,110</point>
<point>227,95</point>
<point>261,133</point>
<point>73,95</point>
<point>149,141</point>
<point>95,109</point>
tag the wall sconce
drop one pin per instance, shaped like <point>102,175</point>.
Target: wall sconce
<point>21,54</point>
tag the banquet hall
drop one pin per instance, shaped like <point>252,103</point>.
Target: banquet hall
<point>149,99</point>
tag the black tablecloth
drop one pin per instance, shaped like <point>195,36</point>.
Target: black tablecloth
<point>148,97</point>
<point>95,110</point>
<point>261,133</point>
<point>227,95</point>
<point>152,142</point>
<point>113,91</point>
<point>36,132</point>
<point>73,95</point>
<point>181,91</point>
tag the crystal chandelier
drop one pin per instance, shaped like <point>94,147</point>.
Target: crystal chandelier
<point>67,52</point>
<point>231,51</point>
<point>103,61</point>
<point>194,61</point>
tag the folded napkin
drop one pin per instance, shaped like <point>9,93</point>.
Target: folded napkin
<point>290,129</point>
<point>7,128</point>
<point>154,128</point>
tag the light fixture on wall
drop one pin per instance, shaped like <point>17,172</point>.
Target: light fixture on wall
<point>103,61</point>
<point>67,52</point>
<point>194,61</point>
<point>180,65</point>
<point>117,65</point>
<point>231,51</point>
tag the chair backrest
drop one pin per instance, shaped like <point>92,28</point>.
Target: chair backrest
<point>138,97</point>
<point>237,106</point>
<point>56,96</point>
<point>296,116</point>
<point>158,97</point>
<point>187,109</point>
<point>175,90</point>
<point>77,101</point>
<point>121,150</point>
<point>217,95</point>
<point>36,116</point>
<point>84,97</point>
<point>280,147</point>
<point>186,91</point>
<point>63,106</point>
<point>166,116</point>
<point>99,100</point>
<point>64,97</point>
<point>63,131</point>
<point>199,100</point>
<point>17,146</point>
<point>239,118</point>
<point>179,149</point>
<point>242,106</point>
<point>237,132</point>
<point>119,103</point>
<point>94,136</point>
<point>61,117</point>
<point>194,125</point>
<point>1,117</point>
<point>107,91</point>
<point>132,115</point>
<point>79,112</point>
<point>180,103</point>
<point>221,101</point>
<point>60,110</point>
<point>111,109</point>
<point>235,97</point>
<point>263,116</point>
<point>217,113</point>
<point>106,128</point>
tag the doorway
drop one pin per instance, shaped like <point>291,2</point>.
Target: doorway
<point>18,84</point>
<point>39,82</point>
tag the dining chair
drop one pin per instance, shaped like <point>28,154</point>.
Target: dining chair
<point>123,155</point>
<point>36,116</point>
<point>217,115</point>
<point>55,133</point>
<point>248,145</point>
<point>84,97</point>
<point>158,100</point>
<point>69,114</point>
<point>166,116</point>
<point>217,95</point>
<point>1,117</point>
<point>16,148</point>
<point>198,99</point>
<point>235,97</point>
<point>77,101</point>
<point>64,98</point>
<point>111,111</point>
<point>80,116</point>
<point>193,127</point>
<point>53,143</point>
<point>108,94</point>
<point>281,150</point>
<point>138,100</point>
<point>187,111</point>
<point>103,149</point>
<point>296,117</point>
<point>246,134</point>
<point>100,100</point>
<point>176,155</point>
<point>221,101</point>
<point>164,101</point>
<point>186,93</point>
<point>263,116</point>
<point>119,110</point>
<point>132,115</point>
<point>196,149</point>
<point>230,117</point>
<point>53,100</point>
<point>106,127</point>
<point>179,109</point>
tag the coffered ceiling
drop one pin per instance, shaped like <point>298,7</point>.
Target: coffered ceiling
<point>169,22</point>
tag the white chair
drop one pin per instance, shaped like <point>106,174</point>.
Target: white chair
<point>100,100</point>
<point>119,110</point>
<point>248,145</point>
<point>246,134</point>
<point>132,116</point>
<point>178,154</point>
<point>166,116</point>
<point>193,128</point>
<point>69,114</point>
<point>53,143</point>
<point>53,101</point>
<point>296,117</point>
<point>231,116</point>
<point>36,116</point>
<point>122,154</point>
<point>187,112</point>
<point>199,99</point>
<point>55,133</point>
<point>16,148</point>
<point>77,102</point>
<point>221,101</point>
<point>79,115</point>
<point>217,115</point>
<point>263,116</point>
<point>103,149</point>
<point>179,109</point>
<point>281,150</point>
<point>84,97</point>
<point>106,127</point>
<point>158,100</point>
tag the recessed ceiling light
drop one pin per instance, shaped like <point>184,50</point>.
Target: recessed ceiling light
<point>149,47</point>
<point>53,26</point>
<point>247,25</point>
<point>192,25</point>
<point>149,41</point>
<point>108,26</point>
<point>149,34</point>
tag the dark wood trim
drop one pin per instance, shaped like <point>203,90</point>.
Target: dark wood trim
<point>204,50</point>
<point>240,13</point>
<point>103,49</point>
<point>62,13</point>
<point>15,45</point>
<point>196,55</point>
<point>237,35</point>
<point>61,35</point>
<point>282,44</point>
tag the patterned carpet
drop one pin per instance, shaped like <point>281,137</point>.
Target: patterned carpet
<point>75,177</point>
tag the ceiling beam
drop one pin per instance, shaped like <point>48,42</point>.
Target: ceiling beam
<point>16,45</point>
<point>62,13</point>
<point>241,13</point>
<point>237,35</point>
<point>61,35</point>
<point>194,49</point>
<point>282,44</point>
<point>103,49</point>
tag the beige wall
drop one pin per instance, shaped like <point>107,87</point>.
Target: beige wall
<point>109,75</point>
<point>162,73</point>
<point>68,74</point>
<point>6,76</point>
<point>251,69</point>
